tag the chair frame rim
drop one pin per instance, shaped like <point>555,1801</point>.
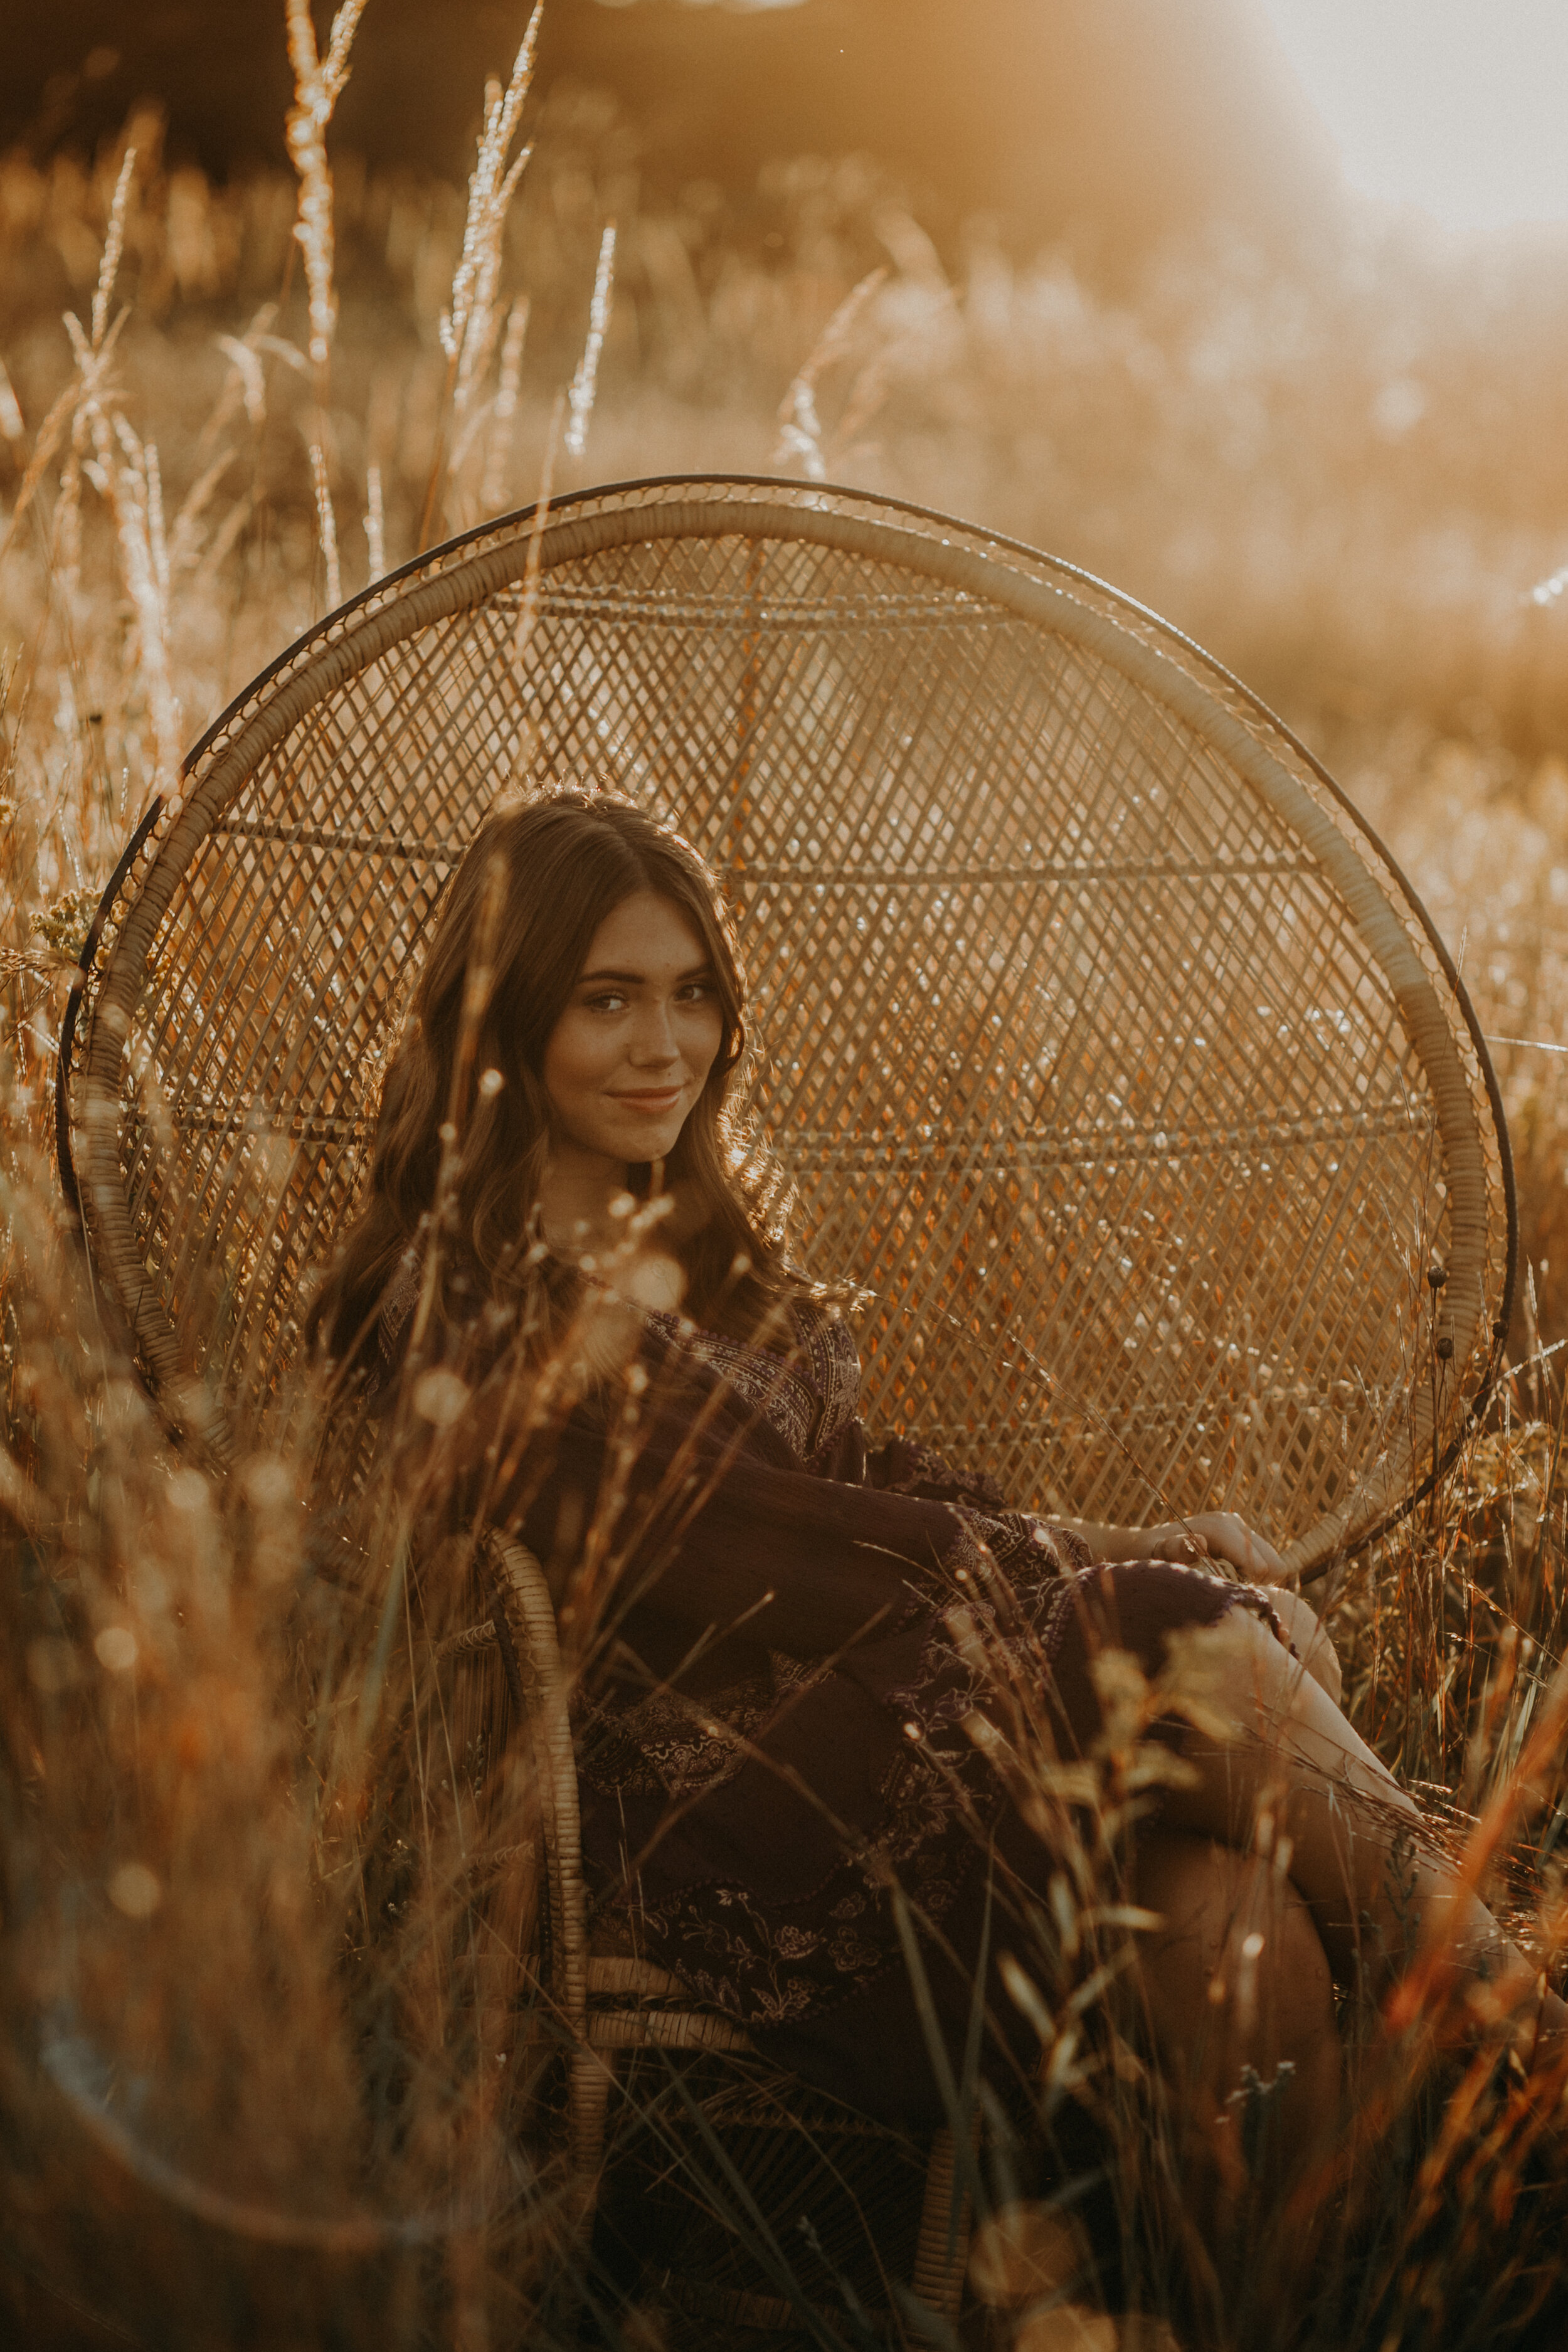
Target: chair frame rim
<point>1187,654</point>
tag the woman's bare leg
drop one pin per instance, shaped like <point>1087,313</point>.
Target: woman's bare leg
<point>1298,1762</point>
<point>1296,1858</point>
<point>1239,1997</point>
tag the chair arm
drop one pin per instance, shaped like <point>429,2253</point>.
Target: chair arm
<point>525,1626</point>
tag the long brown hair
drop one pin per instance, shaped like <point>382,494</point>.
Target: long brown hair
<point>522,912</point>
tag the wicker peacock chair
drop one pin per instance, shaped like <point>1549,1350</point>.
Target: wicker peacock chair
<point>1105,1046</point>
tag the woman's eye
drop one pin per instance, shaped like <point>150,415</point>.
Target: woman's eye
<point>610,1002</point>
<point>696,991</point>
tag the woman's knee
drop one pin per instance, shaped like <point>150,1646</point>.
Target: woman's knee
<point>1193,1885</point>
<point>1238,1965</point>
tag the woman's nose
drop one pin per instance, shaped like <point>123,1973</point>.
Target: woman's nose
<point>653,1043</point>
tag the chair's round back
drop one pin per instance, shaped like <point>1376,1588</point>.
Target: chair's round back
<point>1105,1047</point>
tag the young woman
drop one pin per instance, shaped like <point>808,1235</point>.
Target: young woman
<point>569,1288</point>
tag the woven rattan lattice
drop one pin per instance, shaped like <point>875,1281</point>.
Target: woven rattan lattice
<point>1106,1047</point>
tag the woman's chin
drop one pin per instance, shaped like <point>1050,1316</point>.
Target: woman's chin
<point>647,1139</point>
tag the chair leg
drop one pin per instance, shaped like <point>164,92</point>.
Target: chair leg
<point>591,2077</point>
<point>942,2250</point>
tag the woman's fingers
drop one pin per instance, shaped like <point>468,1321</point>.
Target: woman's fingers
<point>1214,1534</point>
<point>1180,1540</point>
<point>1231,1538</point>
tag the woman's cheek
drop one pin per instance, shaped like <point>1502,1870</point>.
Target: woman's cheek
<point>713,1040</point>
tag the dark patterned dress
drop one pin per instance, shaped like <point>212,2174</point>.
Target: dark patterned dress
<point>777,1730</point>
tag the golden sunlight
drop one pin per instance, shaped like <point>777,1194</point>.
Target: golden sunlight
<point>1455,106</point>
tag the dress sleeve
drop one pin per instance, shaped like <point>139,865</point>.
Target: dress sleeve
<point>810,1567</point>
<point>1022,1545</point>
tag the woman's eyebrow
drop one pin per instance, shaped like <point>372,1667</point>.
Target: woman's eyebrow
<point>695,971</point>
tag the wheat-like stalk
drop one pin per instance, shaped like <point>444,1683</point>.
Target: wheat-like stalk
<point>318,85</point>
<point>79,398</point>
<point>113,248</point>
<point>800,426</point>
<point>503,414</point>
<point>585,383</point>
<point>326,525</point>
<point>131,485</point>
<point>374,523</point>
<point>467,328</point>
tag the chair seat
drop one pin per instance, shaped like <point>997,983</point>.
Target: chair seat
<point>663,2029</point>
<point>632,2005</point>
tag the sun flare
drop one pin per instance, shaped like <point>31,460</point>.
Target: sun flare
<point>1455,106</point>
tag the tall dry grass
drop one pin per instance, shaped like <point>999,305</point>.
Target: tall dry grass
<point>238,2107</point>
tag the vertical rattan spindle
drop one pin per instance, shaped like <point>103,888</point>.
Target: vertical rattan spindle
<point>942,2250</point>
<point>530,1613</point>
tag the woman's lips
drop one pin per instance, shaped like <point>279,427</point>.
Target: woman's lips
<point>660,1098</point>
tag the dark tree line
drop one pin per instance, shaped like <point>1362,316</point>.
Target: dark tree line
<point>1132,116</point>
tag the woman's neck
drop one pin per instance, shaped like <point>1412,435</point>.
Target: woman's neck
<point>575,1198</point>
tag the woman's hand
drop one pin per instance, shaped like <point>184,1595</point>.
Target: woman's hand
<point>1220,1534</point>
<point>1215,1535</point>
<point>1207,1535</point>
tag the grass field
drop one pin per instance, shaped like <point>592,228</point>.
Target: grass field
<point>1345,481</point>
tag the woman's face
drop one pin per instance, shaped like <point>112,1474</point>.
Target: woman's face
<point>630,1055</point>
